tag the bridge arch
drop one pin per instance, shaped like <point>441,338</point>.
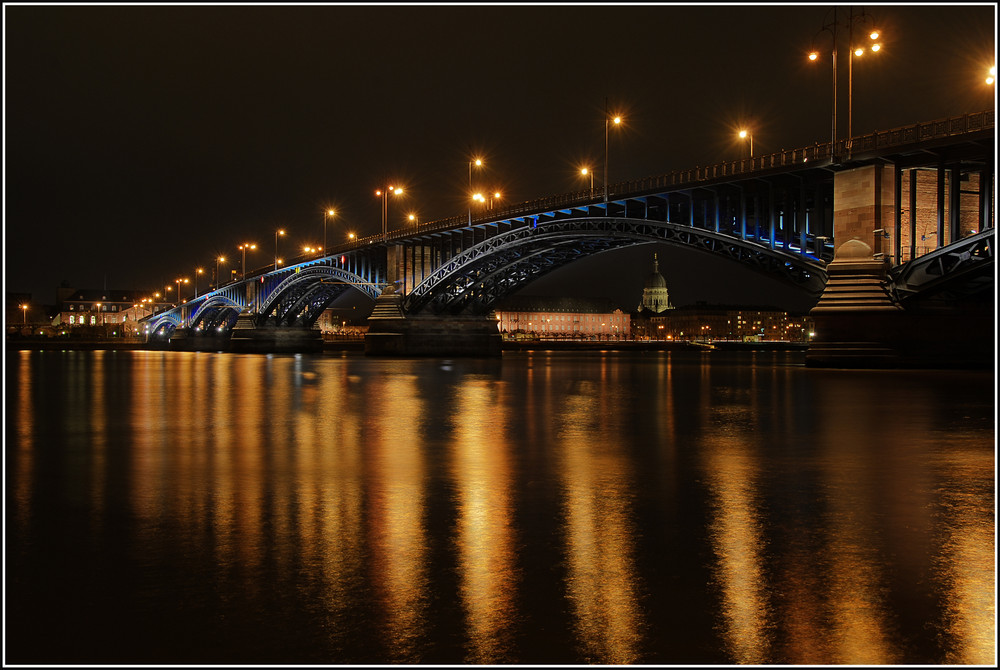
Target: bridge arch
<point>217,311</point>
<point>164,324</point>
<point>474,280</point>
<point>300,298</point>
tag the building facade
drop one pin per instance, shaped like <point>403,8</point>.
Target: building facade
<point>531,317</point>
<point>703,322</point>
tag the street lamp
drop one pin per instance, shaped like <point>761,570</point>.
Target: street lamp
<point>220,259</point>
<point>350,236</point>
<point>992,76</point>
<point>197,272</point>
<point>243,264</point>
<point>281,231</point>
<point>744,134</point>
<point>180,281</point>
<point>855,51</point>
<point>608,121</point>
<point>326,215</point>
<point>412,218</point>
<point>385,205</point>
<point>496,196</point>
<point>24,311</point>
<point>588,171</point>
<point>478,162</point>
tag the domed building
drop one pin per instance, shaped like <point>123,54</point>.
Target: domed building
<point>655,297</point>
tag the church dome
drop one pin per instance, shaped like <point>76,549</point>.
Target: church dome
<point>655,280</point>
<point>655,297</point>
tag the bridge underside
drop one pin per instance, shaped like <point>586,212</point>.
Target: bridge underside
<point>473,281</point>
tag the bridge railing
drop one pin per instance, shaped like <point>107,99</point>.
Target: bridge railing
<point>677,179</point>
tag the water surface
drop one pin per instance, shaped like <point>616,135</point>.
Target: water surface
<point>659,508</point>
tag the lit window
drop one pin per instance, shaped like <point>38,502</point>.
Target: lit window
<point>72,320</point>
<point>93,320</point>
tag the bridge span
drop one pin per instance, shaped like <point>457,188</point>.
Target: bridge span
<point>924,190</point>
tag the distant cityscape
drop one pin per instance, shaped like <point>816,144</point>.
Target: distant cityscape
<point>116,313</point>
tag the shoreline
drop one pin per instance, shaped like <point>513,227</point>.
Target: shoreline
<point>359,345</point>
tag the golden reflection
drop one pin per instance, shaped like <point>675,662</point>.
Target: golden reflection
<point>860,631</point>
<point>331,492</point>
<point>98,447</point>
<point>860,634</point>
<point>397,532</point>
<point>482,474</point>
<point>25,448</point>
<point>602,583</point>
<point>967,560</point>
<point>737,539</point>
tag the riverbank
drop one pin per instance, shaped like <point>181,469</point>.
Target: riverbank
<point>59,344</point>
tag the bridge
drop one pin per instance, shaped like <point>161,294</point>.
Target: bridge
<point>785,215</point>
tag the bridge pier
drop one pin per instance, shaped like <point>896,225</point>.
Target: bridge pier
<point>247,337</point>
<point>391,333</point>
<point>857,323</point>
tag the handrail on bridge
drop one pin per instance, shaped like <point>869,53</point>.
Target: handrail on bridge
<point>918,132</point>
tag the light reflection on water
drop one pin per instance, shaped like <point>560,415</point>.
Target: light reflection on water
<point>612,508</point>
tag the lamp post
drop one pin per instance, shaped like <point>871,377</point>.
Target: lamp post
<point>198,271</point>
<point>385,206</point>
<point>854,51</point>
<point>180,281</point>
<point>327,214</point>
<point>588,171</point>
<point>745,134</point>
<point>243,264</point>
<point>494,198</point>
<point>24,311</point>
<point>478,162</point>
<point>281,231</point>
<point>608,120</point>
<point>219,259</point>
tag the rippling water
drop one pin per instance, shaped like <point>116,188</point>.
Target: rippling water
<point>167,507</point>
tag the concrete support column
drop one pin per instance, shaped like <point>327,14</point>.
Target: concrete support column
<point>857,323</point>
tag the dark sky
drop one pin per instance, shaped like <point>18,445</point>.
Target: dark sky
<point>143,141</point>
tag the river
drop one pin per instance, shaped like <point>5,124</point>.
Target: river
<point>543,508</point>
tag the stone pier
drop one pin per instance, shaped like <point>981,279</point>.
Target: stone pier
<point>391,333</point>
<point>247,337</point>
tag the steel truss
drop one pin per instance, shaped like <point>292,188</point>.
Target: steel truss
<point>956,273</point>
<point>301,298</point>
<point>471,282</point>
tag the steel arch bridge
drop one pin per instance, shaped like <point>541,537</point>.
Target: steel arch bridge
<point>475,278</point>
<point>473,281</point>
<point>771,213</point>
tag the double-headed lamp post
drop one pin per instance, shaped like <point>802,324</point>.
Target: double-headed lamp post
<point>243,265</point>
<point>384,194</point>
<point>281,232</point>
<point>855,51</point>
<point>608,122</point>
<point>746,134</point>
<point>180,281</point>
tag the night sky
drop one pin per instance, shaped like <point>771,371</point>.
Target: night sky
<point>143,141</point>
